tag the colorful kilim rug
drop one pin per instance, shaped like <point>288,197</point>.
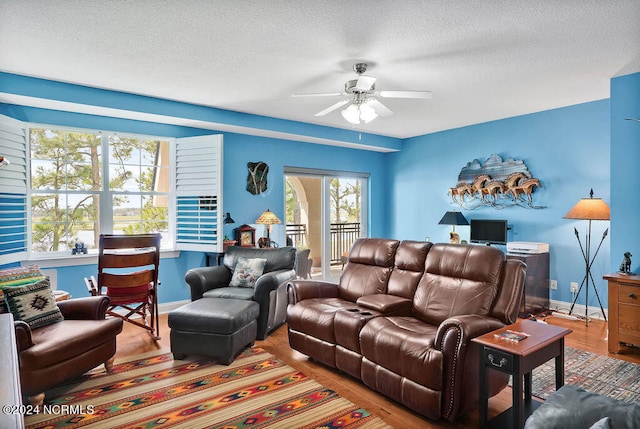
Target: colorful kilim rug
<point>150,391</point>
<point>595,373</point>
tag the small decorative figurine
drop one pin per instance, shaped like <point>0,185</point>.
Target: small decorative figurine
<point>625,266</point>
<point>79,249</point>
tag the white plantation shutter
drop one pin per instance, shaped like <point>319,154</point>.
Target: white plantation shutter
<point>13,191</point>
<point>199,193</point>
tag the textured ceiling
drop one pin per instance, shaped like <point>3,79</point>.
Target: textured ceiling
<point>483,60</point>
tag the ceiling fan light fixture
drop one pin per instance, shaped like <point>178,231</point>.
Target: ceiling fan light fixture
<point>351,114</point>
<point>367,114</point>
<point>360,112</point>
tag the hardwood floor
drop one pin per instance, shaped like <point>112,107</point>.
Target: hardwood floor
<point>593,338</point>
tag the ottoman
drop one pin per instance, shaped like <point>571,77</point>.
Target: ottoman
<point>214,327</point>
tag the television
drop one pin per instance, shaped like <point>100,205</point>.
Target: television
<point>488,231</point>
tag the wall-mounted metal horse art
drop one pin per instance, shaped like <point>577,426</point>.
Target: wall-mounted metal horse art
<point>495,183</point>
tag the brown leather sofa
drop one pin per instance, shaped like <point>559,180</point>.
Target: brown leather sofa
<point>402,317</point>
<point>52,354</point>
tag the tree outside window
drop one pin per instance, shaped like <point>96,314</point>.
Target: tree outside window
<point>71,200</point>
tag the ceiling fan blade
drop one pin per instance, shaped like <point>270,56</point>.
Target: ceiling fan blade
<point>406,94</point>
<point>333,107</point>
<point>319,94</point>
<point>380,108</point>
<point>365,83</point>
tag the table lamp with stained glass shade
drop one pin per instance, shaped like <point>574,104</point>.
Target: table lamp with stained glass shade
<point>267,218</point>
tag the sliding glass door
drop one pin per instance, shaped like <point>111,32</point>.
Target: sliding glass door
<point>326,211</point>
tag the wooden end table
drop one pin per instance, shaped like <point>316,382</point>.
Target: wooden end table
<point>518,359</point>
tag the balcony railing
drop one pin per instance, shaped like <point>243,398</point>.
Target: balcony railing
<point>296,234</point>
<point>342,237</point>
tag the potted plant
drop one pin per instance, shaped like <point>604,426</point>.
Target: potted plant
<point>226,242</point>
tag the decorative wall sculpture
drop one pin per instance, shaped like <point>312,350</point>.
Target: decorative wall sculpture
<point>495,183</point>
<point>257,178</point>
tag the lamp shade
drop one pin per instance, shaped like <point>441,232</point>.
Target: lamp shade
<point>453,218</point>
<point>590,209</point>
<point>351,114</point>
<point>228,219</point>
<point>268,218</point>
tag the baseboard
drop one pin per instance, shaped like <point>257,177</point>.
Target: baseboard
<point>578,310</point>
<point>168,306</point>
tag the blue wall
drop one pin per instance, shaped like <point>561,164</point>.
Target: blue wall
<point>567,149</point>
<point>625,174</point>
<point>244,207</point>
<point>570,150</point>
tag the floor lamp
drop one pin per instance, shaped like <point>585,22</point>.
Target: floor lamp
<point>589,209</point>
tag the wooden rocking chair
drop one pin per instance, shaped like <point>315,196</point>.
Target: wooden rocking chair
<point>128,275</point>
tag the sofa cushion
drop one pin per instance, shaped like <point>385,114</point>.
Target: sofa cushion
<point>404,345</point>
<point>67,339</point>
<point>230,293</point>
<point>408,268</point>
<point>33,303</point>
<point>458,279</point>
<point>316,316</point>
<point>368,268</point>
<point>247,271</point>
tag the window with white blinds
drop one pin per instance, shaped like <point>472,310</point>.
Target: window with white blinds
<point>193,204</point>
<point>199,193</point>
<point>13,191</point>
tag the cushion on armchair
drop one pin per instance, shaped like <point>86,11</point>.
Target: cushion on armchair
<point>247,271</point>
<point>33,303</point>
<point>18,276</point>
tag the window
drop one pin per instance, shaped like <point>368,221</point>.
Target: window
<point>85,183</point>
<point>65,186</point>
<point>326,211</point>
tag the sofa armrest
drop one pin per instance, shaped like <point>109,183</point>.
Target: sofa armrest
<point>461,329</point>
<point>300,290</point>
<point>460,367</point>
<point>202,279</point>
<point>269,282</point>
<point>389,305</point>
<point>23,335</point>
<point>87,308</point>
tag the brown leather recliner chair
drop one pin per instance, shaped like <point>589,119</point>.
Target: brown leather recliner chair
<point>52,354</point>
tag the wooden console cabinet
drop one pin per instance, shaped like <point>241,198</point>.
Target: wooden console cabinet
<point>624,311</point>
<point>536,287</point>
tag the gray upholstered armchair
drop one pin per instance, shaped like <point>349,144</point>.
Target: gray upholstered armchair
<point>269,290</point>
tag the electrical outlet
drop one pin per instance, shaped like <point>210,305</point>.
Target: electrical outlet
<point>553,284</point>
<point>574,287</point>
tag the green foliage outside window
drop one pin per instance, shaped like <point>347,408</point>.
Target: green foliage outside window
<point>68,192</point>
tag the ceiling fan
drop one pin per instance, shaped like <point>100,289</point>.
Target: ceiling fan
<point>362,98</point>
